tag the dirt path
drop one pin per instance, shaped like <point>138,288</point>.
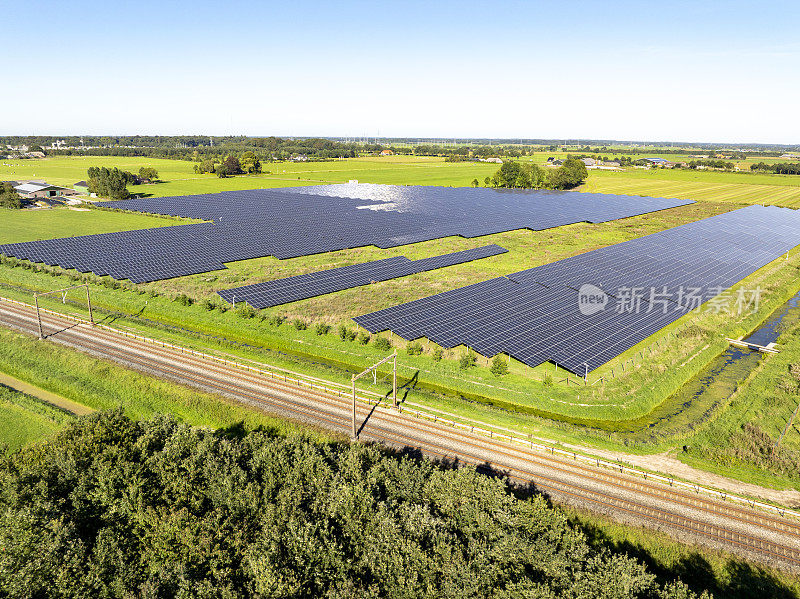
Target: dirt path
<point>665,463</point>
<point>51,398</point>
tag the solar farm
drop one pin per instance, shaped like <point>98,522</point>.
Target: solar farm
<point>533,315</point>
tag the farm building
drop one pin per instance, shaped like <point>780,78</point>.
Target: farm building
<point>387,153</point>
<point>659,162</point>
<point>34,190</point>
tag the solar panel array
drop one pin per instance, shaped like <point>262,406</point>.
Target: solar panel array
<point>534,315</point>
<point>293,222</point>
<point>292,289</point>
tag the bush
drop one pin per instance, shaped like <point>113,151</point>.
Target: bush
<point>182,299</point>
<point>499,366</point>
<point>276,320</point>
<point>300,324</point>
<point>414,348</point>
<point>346,334</point>
<point>467,360</point>
<point>364,337</point>
<point>547,380</point>
<point>322,329</point>
<point>207,304</point>
<point>245,311</point>
<point>438,354</point>
<point>383,344</point>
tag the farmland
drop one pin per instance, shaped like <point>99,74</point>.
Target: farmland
<point>179,177</point>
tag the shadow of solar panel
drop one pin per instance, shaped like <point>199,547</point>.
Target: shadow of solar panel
<point>292,289</point>
<point>535,315</point>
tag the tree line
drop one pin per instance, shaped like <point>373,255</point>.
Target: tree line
<point>111,507</point>
<point>781,168</point>
<point>248,163</point>
<point>719,164</point>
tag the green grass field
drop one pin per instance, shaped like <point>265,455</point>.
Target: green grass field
<point>25,419</point>
<point>32,225</point>
<point>741,441</point>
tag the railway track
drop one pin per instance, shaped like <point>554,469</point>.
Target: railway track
<point>749,532</point>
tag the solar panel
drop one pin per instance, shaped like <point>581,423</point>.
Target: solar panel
<point>535,316</point>
<point>293,222</point>
<point>292,289</point>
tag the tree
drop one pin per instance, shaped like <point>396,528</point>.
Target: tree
<point>499,366</point>
<point>206,166</point>
<point>523,176</point>
<point>467,360</point>
<point>110,183</point>
<point>475,183</point>
<point>250,163</point>
<point>507,175</point>
<point>9,198</point>
<point>232,165</point>
<point>149,173</point>
<point>383,344</point>
<point>571,174</point>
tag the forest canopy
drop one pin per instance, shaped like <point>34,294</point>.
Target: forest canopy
<point>114,507</point>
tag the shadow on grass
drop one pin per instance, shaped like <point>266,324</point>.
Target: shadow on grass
<point>410,385</point>
<point>238,431</point>
<point>737,580</point>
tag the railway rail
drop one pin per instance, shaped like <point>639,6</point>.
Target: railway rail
<point>769,537</point>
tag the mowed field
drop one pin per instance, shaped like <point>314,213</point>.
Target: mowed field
<point>740,188</point>
<point>33,225</point>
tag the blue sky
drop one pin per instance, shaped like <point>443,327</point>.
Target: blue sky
<point>694,71</point>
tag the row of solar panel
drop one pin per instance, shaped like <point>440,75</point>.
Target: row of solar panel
<point>296,222</point>
<point>638,287</point>
<point>292,289</point>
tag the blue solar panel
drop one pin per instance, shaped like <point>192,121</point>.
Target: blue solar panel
<point>294,222</point>
<point>292,289</point>
<point>535,316</point>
